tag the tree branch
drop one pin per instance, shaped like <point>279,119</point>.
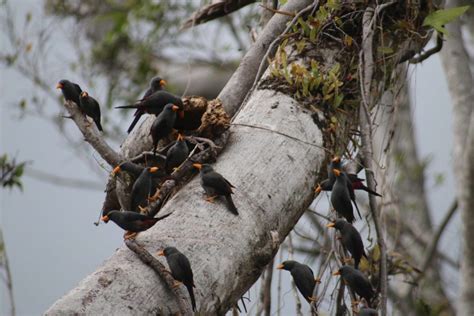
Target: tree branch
<point>92,135</point>
<point>184,303</point>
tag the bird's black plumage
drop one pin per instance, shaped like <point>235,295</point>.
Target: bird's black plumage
<point>153,104</point>
<point>91,108</point>
<point>180,270</point>
<point>357,281</point>
<point>303,277</point>
<point>71,91</point>
<point>176,154</point>
<point>132,221</point>
<point>350,239</point>
<point>163,124</point>
<point>214,184</point>
<point>340,197</point>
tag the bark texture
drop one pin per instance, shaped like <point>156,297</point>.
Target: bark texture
<point>461,87</point>
<point>274,176</point>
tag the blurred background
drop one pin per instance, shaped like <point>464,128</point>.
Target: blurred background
<point>112,49</point>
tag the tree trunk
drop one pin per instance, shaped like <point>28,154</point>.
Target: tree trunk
<point>460,82</point>
<point>274,154</point>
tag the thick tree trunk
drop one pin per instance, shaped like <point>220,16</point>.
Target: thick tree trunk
<point>461,86</point>
<point>273,156</point>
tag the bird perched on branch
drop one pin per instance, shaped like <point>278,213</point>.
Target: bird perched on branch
<point>143,188</point>
<point>180,270</point>
<point>153,104</point>
<point>303,277</point>
<point>357,281</point>
<point>214,184</point>
<point>71,91</point>
<point>163,124</point>
<point>350,239</point>
<point>131,222</point>
<point>340,197</point>
<point>91,108</point>
<point>176,154</point>
<point>356,182</point>
<point>156,84</point>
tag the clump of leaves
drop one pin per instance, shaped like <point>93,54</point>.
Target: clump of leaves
<point>11,172</point>
<point>439,18</point>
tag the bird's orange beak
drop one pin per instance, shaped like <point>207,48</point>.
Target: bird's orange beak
<point>116,170</point>
<point>336,273</point>
<point>105,218</point>
<point>153,169</point>
<point>161,253</point>
<point>337,172</point>
<point>331,224</point>
<point>59,86</point>
<point>175,108</point>
<point>336,159</point>
<point>318,189</point>
<point>162,83</point>
<point>280,267</point>
<point>84,94</point>
<point>180,137</point>
<point>197,166</point>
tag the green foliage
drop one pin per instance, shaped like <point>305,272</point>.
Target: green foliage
<point>11,172</point>
<point>439,18</point>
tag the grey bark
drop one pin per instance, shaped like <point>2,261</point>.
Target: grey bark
<point>254,159</point>
<point>461,87</point>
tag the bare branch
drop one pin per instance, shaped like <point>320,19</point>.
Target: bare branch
<point>92,135</point>
<point>214,11</point>
<point>266,291</point>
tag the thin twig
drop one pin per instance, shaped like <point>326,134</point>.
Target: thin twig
<point>431,250</point>
<point>8,278</point>
<point>266,291</point>
<point>366,69</point>
<point>293,286</point>
<point>184,304</point>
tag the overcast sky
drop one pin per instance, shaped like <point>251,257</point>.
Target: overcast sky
<point>51,241</point>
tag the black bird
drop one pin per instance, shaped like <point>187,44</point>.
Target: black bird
<point>357,281</point>
<point>176,154</point>
<point>163,124</point>
<point>132,222</point>
<point>71,91</point>
<point>156,84</point>
<point>180,270</point>
<point>303,277</point>
<point>350,239</point>
<point>356,182</point>
<point>153,104</point>
<point>91,108</point>
<point>214,184</point>
<point>340,197</point>
<point>143,188</point>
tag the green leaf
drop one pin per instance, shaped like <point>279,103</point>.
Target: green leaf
<point>439,18</point>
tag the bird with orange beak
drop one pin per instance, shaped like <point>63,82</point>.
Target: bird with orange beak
<point>357,281</point>
<point>131,222</point>
<point>350,239</point>
<point>303,277</point>
<point>154,104</point>
<point>163,124</point>
<point>144,187</point>
<point>71,91</point>
<point>340,196</point>
<point>215,185</point>
<point>91,108</point>
<point>180,270</point>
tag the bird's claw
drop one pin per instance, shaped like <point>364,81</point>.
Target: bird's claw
<point>143,210</point>
<point>210,199</point>
<point>129,235</point>
<point>176,284</point>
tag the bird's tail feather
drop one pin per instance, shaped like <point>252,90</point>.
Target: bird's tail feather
<point>134,122</point>
<point>128,106</point>
<point>357,208</point>
<point>230,205</point>
<point>191,294</point>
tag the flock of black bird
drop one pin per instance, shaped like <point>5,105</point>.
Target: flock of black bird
<point>169,108</point>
